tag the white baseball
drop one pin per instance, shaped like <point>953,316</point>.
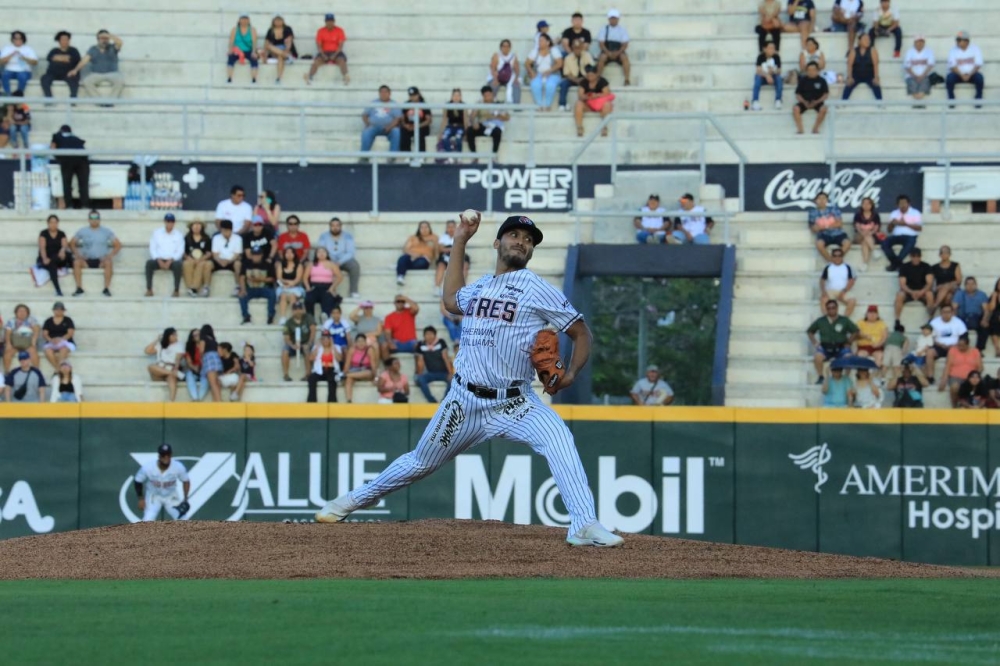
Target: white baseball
<point>471,216</point>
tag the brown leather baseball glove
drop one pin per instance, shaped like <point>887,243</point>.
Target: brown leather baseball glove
<point>546,361</point>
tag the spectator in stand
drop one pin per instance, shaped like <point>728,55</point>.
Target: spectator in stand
<point>915,281</point>
<point>694,227</point>
<point>54,254</point>
<point>18,121</point>
<point>831,337</point>
<point>613,40</point>
<point>594,94</point>
<point>94,246</point>
<point>918,66</point>
<point>924,344</point>
<point>974,393</point>
<point>169,353</point>
<point>290,274</point>
<point>248,368</point>
<point>415,123</point>
<point>964,62</point>
<point>867,224</point>
<point>962,361</point>
<point>895,349</point>
<point>231,376</point>
<point>103,61</point>
<point>444,245</point>
<point>453,124</point>
<point>811,93</point>
<point>197,264</point>
<point>872,335</point>
<point>992,316</point>
<point>359,365</point>
<point>25,383</point>
<point>258,239</point>
<point>544,65</point>
<point>227,250</point>
<point>211,361</point>
<point>838,390</point>
<point>17,59</point>
<point>338,328</point>
<point>652,390</point>
<point>196,384</point>
<point>166,252</point>
<point>947,331</point>
<point>908,383</point>
<point>652,223</point>
<point>862,67</point>
<point>299,336</point>
<point>575,33</point>
<point>21,335</point>
<point>836,281</point>
<point>294,239</point>
<point>768,73</point>
<point>453,323</point>
<point>867,394</point>
<point>381,120</point>
<point>392,384</point>
<point>257,280</point>
<point>847,15</point>
<point>905,224</point>
<point>58,333</point>
<point>269,211</point>
<point>419,252</point>
<point>242,46</point>
<point>827,222</point>
<point>66,385</point>
<point>321,281</point>
<point>947,278</point>
<point>486,122</point>
<point>770,24</point>
<point>366,323</point>
<point>887,23</point>
<point>71,165</point>
<point>574,68</point>
<point>505,72</point>
<point>236,210</point>
<point>329,49</point>
<point>401,327</point>
<point>542,28</point>
<point>62,66</point>
<point>801,18</point>
<point>433,364</point>
<point>812,53</point>
<point>339,246</point>
<point>279,46</point>
<point>970,306</point>
<point>325,367</point>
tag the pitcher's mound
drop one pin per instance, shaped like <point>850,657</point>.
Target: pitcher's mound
<point>420,549</point>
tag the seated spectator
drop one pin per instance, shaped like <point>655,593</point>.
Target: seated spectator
<point>339,245</point>
<point>20,335</point>
<point>401,327</point>
<point>992,316</point>
<point>594,94</point>
<point>872,336</point>
<point>299,336</point>
<point>847,15</point>
<point>838,389</point>
<point>418,252</point>
<point>827,222</point>
<point>887,23</point>
<point>867,394</point>
<point>58,332</point>
<point>918,66</point>
<point>862,67</point>
<point>486,122</point>
<point>964,62</point>
<point>947,278</point>
<point>920,352</point>
<point>915,281</point>
<point>227,248</point>
<point>392,384</point>
<point>505,72</point>
<point>169,353</point>
<point>279,46</point>
<point>242,46</point>
<point>652,390</point>
<point>94,246</point>
<point>867,225</point>
<point>948,331</point>
<point>166,252</point>
<point>320,282</point>
<point>325,367</point>
<point>197,265</point>
<point>908,383</point>
<point>415,123</point>
<point>54,254</point>
<point>905,224</point>
<point>211,361</point>
<point>258,241</point>
<point>433,364</point>
<point>652,224</point>
<point>831,337</point>
<point>103,61</point>
<point>542,28</point>
<point>366,323</point>
<point>444,245</point>
<point>236,210</point>
<point>694,227</point>
<point>836,282</point>
<point>329,49</point>
<point>575,33</point>
<point>381,120</point>
<point>453,124</point>
<point>453,323</point>
<point>360,365</point>
<point>294,239</point>
<point>269,211</point>
<point>18,120</point>
<point>257,280</point>
<point>191,364</point>
<point>544,65</point>
<point>231,376</point>
<point>801,18</point>
<point>290,273</point>
<point>574,68</point>
<point>25,383</point>
<point>811,93</point>
<point>970,306</point>
<point>613,40</point>
<point>62,66</point>
<point>768,72</point>
<point>338,327</point>
<point>974,393</point>
<point>17,59</point>
<point>248,368</point>
<point>769,12</point>
<point>896,347</point>
<point>962,361</point>
<point>66,385</point>
<point>812,53</point>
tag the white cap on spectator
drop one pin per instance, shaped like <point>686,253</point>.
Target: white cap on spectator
<point>919,38</point>
<point>614,13</point>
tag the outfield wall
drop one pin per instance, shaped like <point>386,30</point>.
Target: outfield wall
<point>914,485</point>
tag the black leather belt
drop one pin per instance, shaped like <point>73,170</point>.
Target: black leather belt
<point>488,392</point>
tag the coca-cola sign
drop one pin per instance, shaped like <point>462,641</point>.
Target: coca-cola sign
<point>846,189</point>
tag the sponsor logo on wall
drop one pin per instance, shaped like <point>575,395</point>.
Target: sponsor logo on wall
<point>538,188</point>
<point>787,189</point>
<point>19,502</point>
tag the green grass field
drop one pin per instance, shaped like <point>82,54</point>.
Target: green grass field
<point>500,622</point>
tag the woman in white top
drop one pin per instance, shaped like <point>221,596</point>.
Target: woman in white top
<point>17,59</point>
<point>505,72</point>
<point>544,67</point>
<point>812,53</point>
<point>168,351</point>
<point>66,386</point>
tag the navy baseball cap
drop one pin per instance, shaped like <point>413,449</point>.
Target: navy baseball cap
<point>169,217</point>
<point>520,222</point>
<point>165,450</point>
<point>542,24</point>
<point>331,17</point>
<point>23,356</point>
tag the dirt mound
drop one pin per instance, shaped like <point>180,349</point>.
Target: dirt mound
<point>420,549</point>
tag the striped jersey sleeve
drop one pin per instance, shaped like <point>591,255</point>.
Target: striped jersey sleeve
<point>553,306</point>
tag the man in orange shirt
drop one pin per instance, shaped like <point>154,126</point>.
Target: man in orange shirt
<point>330,49</point>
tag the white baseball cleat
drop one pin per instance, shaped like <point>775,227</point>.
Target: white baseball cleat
<point>335,510</point>
<point>595,535</point>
